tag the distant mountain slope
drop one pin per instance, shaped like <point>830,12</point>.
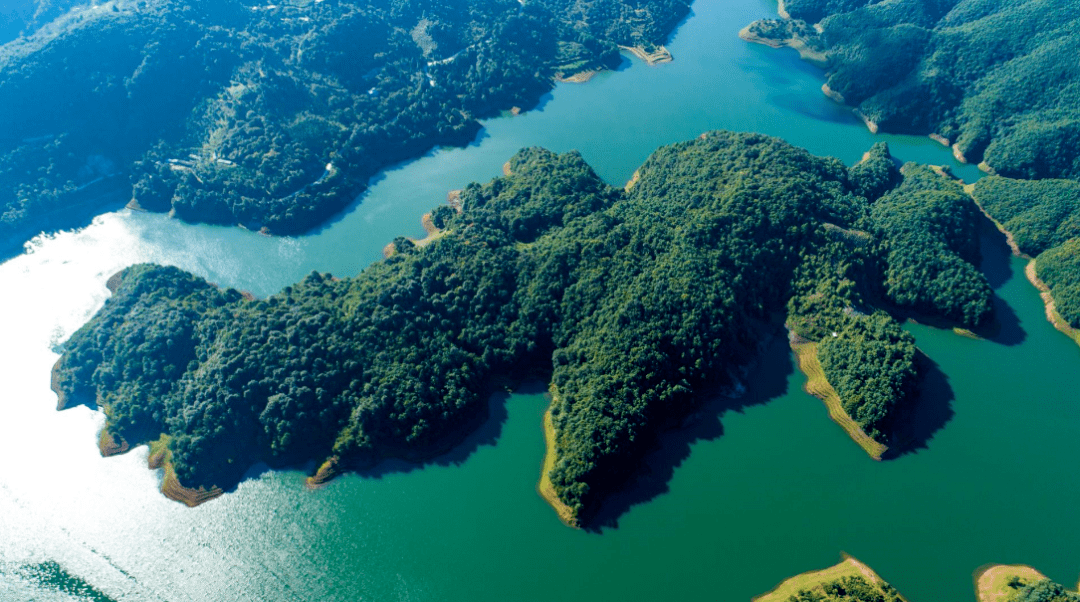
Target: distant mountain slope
<point>274,115</point>
<point>998,79</point>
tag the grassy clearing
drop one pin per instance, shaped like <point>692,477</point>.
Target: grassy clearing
<point>545,487</point>
<point>814,580</point>
<point>818,386</point>
<point>992,582</point>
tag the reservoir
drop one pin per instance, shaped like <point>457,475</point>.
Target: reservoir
<point>752,491</point>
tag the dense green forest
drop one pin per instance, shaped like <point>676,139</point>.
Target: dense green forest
<point>997,79</point>
<point>631,300</point>
<point>273,115</point>
<point>1043,218</point>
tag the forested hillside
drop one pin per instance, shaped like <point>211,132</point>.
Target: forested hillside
<point>633,301</point>
<point>272,115</point>
<point>998,80</point>
<point>1043,218</point>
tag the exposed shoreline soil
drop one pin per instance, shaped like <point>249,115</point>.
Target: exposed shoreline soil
<point>1052,314</point>
<point>545,487</point>
<point>805,51</point>
<point>580,77</point>
<point>660,54</point>
<point>818,386</point>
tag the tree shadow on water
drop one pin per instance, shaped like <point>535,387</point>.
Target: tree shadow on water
<point>484,430</point>
<point>928,414</point>
<point>997,266</point>
<point>766,380</point>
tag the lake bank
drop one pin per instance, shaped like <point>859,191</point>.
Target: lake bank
<point>1030,272</point>
<point>818,386</point>
<point>545,488</point>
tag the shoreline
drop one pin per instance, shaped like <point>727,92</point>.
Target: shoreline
<point>656,57</point>
<point>990,580</point>
<point>806,53</point>
<point>433,234</point>
<point>161,457</point>
<point>1052,315</point>
<point>545,487</point>
<point>942,140</point>
<point>1009,238</point>
<point>958,154</point>
<point>580,77</point>
<point>818,386</point>
<point>810,580</point>
<point>108,445</point>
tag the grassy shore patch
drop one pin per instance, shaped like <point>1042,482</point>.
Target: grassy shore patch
<point>545,487</point>
<point>815,580</point>
<point>992,582</point>
<point>818,386</point>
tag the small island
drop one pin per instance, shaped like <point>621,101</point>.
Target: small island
<point>849,581</point>
<point>631,302</point>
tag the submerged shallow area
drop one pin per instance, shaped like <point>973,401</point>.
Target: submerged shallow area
<point>755,490</point>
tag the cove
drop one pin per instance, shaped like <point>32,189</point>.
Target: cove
<point>757,489</point>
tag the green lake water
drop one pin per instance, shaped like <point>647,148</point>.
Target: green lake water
<point>751,491</point>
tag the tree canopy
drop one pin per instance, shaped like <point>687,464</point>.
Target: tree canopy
<point>1043,218</point>
<point>273,115</point>
<point>634,301</point>
<point>999,80</point>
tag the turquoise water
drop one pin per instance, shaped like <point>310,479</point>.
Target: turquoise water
<point>755,490</point>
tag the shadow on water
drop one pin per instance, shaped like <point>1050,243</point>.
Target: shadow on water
<point>766,380</point>
<point>997,257</point>
<point>484,431</point>
<point>930,412</point>
<point>1006,329</point>
<point>825,111</point>
<point>997,266</point>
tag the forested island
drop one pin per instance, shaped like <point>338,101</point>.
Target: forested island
<point>270,115</point>
<point>998,81</point>
<point>633,303</point>
<point>853,581</point>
